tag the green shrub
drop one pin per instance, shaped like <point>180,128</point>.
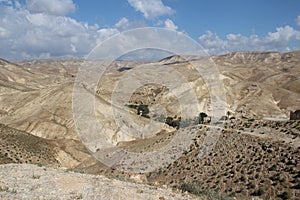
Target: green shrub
<point>187,187</point>
<point>202,116</point>
<point>173,122</point>
<point>141,109</point>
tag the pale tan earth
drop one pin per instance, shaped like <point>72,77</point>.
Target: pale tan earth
<point>38,125</point>
<point>33,182</point>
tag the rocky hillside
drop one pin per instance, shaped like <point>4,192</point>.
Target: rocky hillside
<point>251,158</point>
<point>37,121</point>
<point>20,147</point>
<point>36,96</point>
<point>258,83</point>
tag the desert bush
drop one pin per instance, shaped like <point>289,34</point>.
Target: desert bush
<point>259,192</point>
<point>211,194</point>
<point>194,188</point>
<point>251,185</point>
<point>297,187</point>
<point>285,195</point>
<point>141,109</point>
<point>188,187</point>
<point>202,116</point>
<point>175,163</point>
<point>172,122</point>
<point>243,178</point>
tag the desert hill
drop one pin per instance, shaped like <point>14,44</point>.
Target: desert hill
<point>20,147</point>
<point>259,83</point>
<point>256,84</point>
<point>258,158</point>
<point>36,110</point>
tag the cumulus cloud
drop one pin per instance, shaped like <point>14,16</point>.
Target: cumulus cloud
<point>283,39</point>
<point>151,9</point>
<point>53,7</point>
<point>123,23</point>
<point>40,35</point>
<point>170,25</point>
<point>27,34</point>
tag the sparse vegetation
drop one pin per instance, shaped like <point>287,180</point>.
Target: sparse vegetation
<point>251,157</point>
<point>253,165</point>
<point>193,188</point>
<point>259,192</point>
<point>285,196</point>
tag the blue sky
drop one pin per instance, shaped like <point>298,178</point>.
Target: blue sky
<point>198,16</point>
<point>59,28</point>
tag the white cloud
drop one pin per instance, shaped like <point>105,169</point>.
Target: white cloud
<point>4,33</point>
<point>170,25</point>
<point>151,9</point>
<point>147,38</point>
<point>41,35</point>
<point>105,33</point>
<point>28,35</point>
<point>298,20</point>
<point>123,23</point>
<point>53,7</point>
<point>283,39</point>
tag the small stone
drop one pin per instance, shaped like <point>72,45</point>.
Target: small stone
<point>3,187</point>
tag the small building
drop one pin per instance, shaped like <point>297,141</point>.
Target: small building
<point>295,115</point>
